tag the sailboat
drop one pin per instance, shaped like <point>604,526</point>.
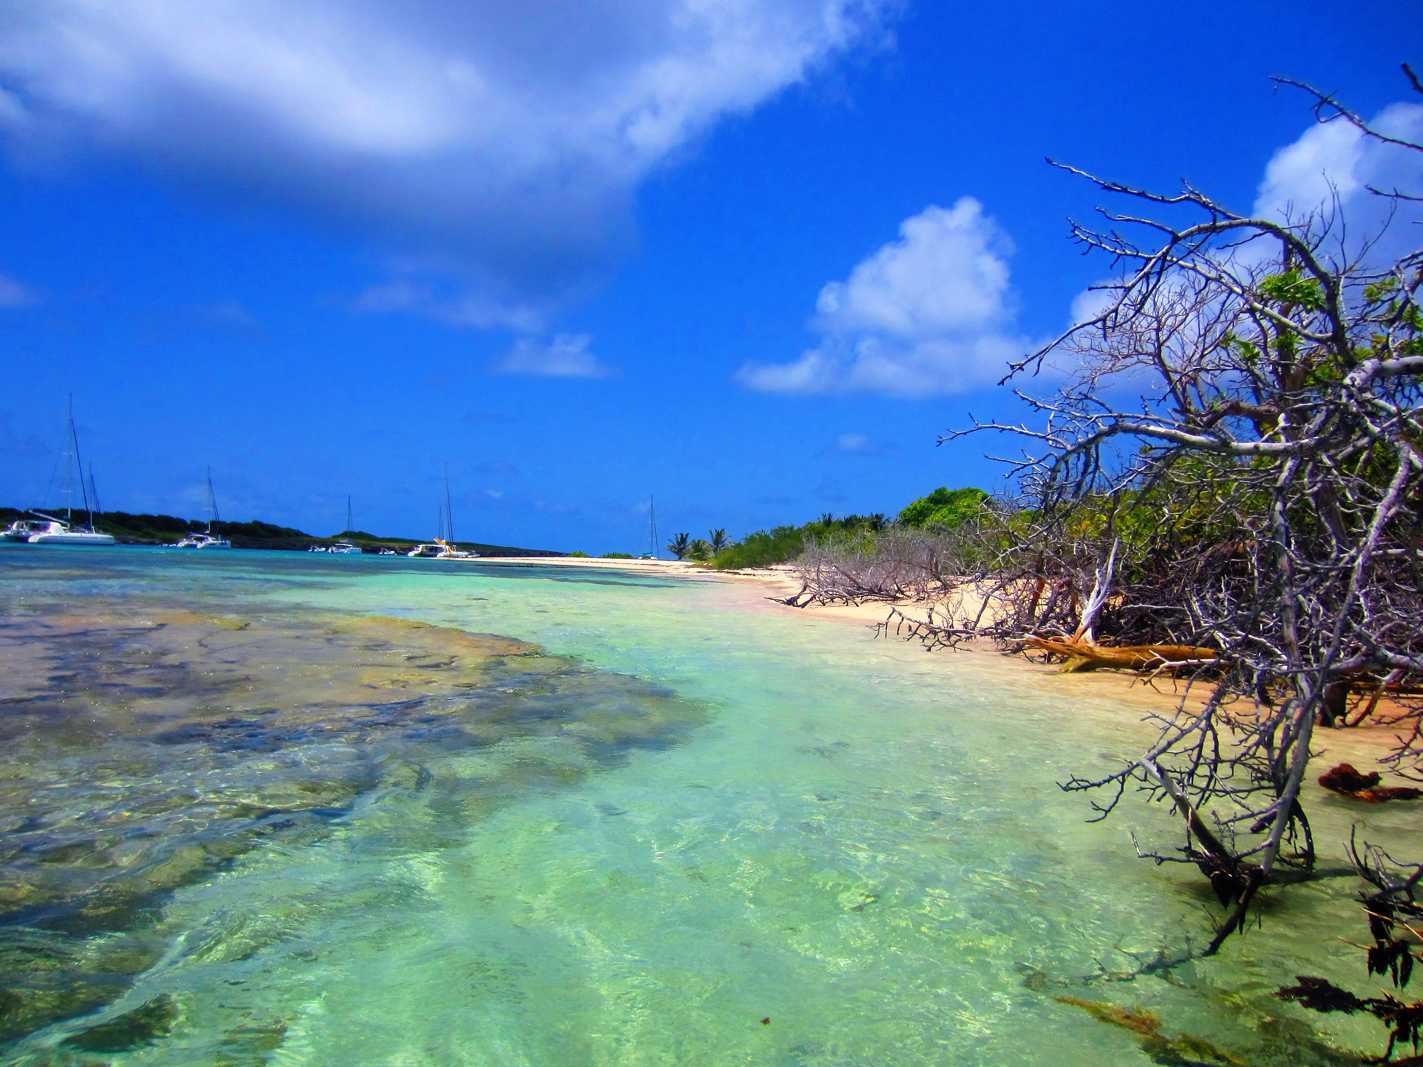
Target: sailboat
<point>345,548</point>
<point>209,539</point>
<point>65,532</point>
<point>443,545</point>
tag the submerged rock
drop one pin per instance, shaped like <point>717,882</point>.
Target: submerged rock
<point>130,1030</point>
<point>142,750</point>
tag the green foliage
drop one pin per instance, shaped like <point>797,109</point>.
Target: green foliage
<point>765,548</point>
<point>679,545</point>
<point>700,550</point>
<point>610,555</point>
<point>762,549</point>
<point>1293,289</point>
<point>943,508</point>
<point>578,554</point>
<point>718,539</point>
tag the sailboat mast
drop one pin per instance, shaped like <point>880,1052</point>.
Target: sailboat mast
<point>349,527</point>
<point>93,496</point>
<point>652,526</point>
<point>212,504</point>
<point>78,466</point>
<point>449,511</point>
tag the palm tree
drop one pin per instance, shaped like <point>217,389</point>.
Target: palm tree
<point>719,540</point>
<point>679,545</point>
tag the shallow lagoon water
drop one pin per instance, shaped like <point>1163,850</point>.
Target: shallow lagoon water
<point>275,808</point>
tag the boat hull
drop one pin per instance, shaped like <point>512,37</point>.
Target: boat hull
<point>202,540</point>
<point>73,537</point>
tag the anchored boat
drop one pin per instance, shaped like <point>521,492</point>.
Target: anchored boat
<point>66,532</point>
<point>443,546</point>
<point>209,539</point>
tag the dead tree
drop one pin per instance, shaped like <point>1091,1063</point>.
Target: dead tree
<point>1277,444</point>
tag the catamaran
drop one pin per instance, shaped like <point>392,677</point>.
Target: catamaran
<point>22,530</point>
<point>345,548</point>
<point>208,539</point>
<point>443,546</point>
<point>57,532</point>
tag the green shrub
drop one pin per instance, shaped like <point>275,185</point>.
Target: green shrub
<point>943,508</point>
<point>762,549</point>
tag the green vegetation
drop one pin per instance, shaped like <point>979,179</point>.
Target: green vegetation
<point>762,549</point>
<point>765,548</point>
<point>943,508</point>
<point>680,545</point>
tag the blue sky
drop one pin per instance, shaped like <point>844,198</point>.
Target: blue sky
<point>750,257</point>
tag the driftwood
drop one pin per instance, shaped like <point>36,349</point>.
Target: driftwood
<point>1346,780</point>
<point>1084,655</point>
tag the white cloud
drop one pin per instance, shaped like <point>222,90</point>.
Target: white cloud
<point>15,295</point>
<point>931,312</point>
<point>473,309</point>
<point>1330,166</point>
<point>1336,157</point>
<point>566,356</point>
<point>488,146</point>
<point>1335,160</point>
<point>853,442</point>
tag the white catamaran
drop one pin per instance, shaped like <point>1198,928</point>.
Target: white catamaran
<point>210,539</point>
<point>343,547</point>
<point>443,546</point>
<point>53,531</point>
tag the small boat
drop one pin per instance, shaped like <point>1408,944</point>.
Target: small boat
<point>66,532</point>
<point>208,539</point>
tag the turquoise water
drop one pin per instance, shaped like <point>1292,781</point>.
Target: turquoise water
<point>256,816</point>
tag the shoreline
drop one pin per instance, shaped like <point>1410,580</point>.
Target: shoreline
<point>1155,697</point>
<point>667,567</point>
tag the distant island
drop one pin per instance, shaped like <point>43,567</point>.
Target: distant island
<point>143,529</point>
